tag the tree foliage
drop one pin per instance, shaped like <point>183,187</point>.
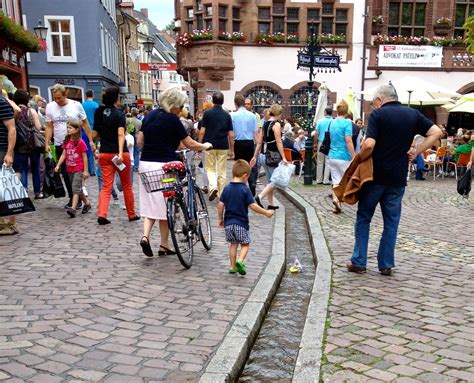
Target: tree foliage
<point>170,28</point>
<point>469,27</point>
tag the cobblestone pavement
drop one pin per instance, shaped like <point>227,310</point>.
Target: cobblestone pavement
<point>80,302</point>
<point>418,324</point>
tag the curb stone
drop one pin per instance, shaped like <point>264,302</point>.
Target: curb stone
<point>230,357</point>
<point>308,363</point>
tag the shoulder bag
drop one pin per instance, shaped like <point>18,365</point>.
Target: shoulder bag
<point>37,138</point>
<point>325,145</point>
<point>272,158</point>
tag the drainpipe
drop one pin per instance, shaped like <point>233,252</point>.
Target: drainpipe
<point>364,55</point>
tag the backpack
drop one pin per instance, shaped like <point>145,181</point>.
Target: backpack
<point>23,131</point>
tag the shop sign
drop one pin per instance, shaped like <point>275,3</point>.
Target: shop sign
<point>92,81</point>
<point>13,57</point>
<point>415,56</point>
<point>158,66</point>
<point>64,81</point>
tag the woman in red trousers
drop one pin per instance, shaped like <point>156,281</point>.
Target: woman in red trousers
<point>110,122</point>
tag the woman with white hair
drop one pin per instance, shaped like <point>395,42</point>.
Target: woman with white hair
<point>161,135</point>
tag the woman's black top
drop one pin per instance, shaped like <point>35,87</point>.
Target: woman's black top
<point>269,135</point>
<point>107,121</point>
<point>162,133</point>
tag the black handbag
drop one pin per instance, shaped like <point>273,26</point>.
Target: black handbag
<point>272,158</point>
<point>464,184</point>
<point>326,144</point>
<point>53,185</point>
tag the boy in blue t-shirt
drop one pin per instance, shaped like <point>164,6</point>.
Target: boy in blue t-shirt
<point>235,200</point>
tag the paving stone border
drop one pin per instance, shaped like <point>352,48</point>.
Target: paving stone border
<point>229,359</point>
<point>308,363</point>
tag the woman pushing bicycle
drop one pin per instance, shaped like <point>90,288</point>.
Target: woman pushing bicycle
<point>162,133</point>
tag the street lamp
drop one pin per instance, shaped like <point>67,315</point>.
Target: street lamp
<point>41,31</point>
<point>409,96</point>
<point>148,44</point>
<point>311,57</point>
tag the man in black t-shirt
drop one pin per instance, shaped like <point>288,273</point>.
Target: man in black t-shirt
<point>389,140</point>
<point>217,129</point>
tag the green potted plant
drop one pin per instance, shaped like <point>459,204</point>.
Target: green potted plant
<point>14,32</point>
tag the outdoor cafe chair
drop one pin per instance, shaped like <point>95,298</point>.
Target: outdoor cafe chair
<point>462,161</point>
<point>289,158</point>
<point>436,160</point>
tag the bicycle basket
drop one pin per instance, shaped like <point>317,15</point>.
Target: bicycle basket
<point>158,180</point>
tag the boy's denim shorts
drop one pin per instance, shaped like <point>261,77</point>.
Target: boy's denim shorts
<point>237,234</point>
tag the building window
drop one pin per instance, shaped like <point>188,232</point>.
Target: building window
<point>264,13</point>
<point>209,25</point>
<point>327,9</point>
<point>223,11</point>
<point>208,10</point>
<point>199,5</point>
<point>190,27</point>
<point>292,28</point>
<point>189,13</point>
<point>313,15</point>
<point>236,26</point>
<point>263,97</point>
<point>292,14</point>
<point>199,22</point>
<point>222,25</point>
<point>278,7</point>
<point>278,24</point>
<point>299,102</point>
<point>236,13</point>
<point>407,18</point>
<point>61,39</point>
<point>263,28</point>
<point>464,9</point>
<point>109,50</point>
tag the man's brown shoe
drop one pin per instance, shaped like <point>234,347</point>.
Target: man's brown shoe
<point>386,272</point>
<point>355,269</point>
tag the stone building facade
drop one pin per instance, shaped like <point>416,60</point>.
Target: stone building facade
<point>268,72</point>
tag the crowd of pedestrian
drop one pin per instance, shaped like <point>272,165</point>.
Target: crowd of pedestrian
<point>110,142</point>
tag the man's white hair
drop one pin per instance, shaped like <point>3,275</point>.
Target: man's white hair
<point>386,91</point>
<point>172,97</point>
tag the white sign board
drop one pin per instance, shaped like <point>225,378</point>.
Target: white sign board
<point>415,56</point>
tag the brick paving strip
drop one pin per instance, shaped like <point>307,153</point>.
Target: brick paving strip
<point>418,325</point>
<point>81,302</point>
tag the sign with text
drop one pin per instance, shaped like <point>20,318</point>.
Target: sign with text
<point>320,61</point>
<point>158,66</point>
<point>415,56</point>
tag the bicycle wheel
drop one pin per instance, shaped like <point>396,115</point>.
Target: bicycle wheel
<point>204,222</point>
<point>181,233</point>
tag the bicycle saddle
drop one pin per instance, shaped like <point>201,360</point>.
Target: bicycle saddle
<point>174,166</point>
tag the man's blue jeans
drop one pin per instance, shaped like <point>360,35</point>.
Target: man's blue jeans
<point>390,199</point>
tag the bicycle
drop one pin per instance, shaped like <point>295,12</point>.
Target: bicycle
<point>187,214</point>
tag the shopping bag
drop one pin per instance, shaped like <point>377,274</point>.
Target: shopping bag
<point>464,184</point>
<point>13,196</point>
<point>281,175</point>
<point>52,185</point>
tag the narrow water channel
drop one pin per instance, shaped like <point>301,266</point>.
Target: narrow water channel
<point>273,356</point>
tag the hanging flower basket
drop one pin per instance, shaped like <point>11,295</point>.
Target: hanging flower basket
<point>16,34</point>
<point>442,29</point>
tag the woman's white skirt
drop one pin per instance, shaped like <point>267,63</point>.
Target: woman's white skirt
<point>152,205</point>
<point>338,167</point>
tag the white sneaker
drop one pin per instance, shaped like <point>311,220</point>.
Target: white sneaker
<point>116,201</point>
<point>123,207</point>
<point>451,174</point>
<point>84,191</point>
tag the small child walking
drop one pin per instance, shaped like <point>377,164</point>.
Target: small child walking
<point>75,155</point>
<point>234,216</point>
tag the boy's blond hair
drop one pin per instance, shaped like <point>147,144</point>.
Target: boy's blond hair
<point>240,168</point>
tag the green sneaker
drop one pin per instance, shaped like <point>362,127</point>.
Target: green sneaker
<point>241,267</point>
<point>233,270</point>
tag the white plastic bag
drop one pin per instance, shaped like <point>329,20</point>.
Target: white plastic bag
<point>282,174</point>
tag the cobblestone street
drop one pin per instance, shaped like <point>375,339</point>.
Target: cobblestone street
<point>81,301</point>
<point>416,326</point>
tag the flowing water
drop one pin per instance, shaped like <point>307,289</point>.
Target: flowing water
<point>273,356</point>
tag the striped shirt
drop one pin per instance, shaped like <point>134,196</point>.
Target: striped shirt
<point>6,113</point>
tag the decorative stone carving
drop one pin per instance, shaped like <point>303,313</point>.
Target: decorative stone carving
<point>223,50</point>
<point>216,76</point>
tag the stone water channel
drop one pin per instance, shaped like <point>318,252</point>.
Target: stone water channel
<point>273,356</point>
